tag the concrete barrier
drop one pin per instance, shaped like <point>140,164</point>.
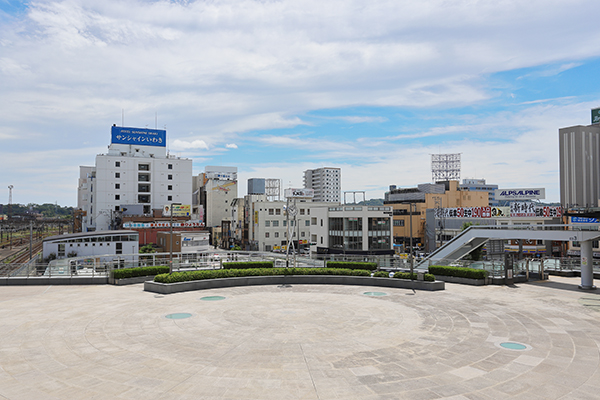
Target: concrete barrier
<point>54,280</point>
<point>168,288</point>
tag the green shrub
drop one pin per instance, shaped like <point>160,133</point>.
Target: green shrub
<point>381,274</point>
<point>352,265</point>
<point>406,275</point>
<point>460,272</point>
<point>231,273</point>
<point>142,271</point>
<point>248,264</point>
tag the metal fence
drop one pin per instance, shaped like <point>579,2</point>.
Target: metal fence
<point>102,265</point>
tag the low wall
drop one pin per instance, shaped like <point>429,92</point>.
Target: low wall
<point>130,281</point>
<point>462,281</point>
<point>54,280</point>
<point>168,288</point>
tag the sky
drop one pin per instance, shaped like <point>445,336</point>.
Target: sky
<point>277,87</point>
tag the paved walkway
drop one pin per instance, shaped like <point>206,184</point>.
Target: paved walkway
<point>303,342</point>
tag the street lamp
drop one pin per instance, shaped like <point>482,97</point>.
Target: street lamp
<point>171,245</point>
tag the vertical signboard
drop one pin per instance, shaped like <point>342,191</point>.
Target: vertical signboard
<point>596,116</point>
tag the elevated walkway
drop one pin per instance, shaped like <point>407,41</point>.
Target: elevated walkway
<point>473,237</point>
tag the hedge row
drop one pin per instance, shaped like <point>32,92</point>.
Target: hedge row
<point>460,272</point>
<point>142,271</point>
<point>248,264</point>
<point>403,275</point>
<point>371,266</point>
<point>234,273</point>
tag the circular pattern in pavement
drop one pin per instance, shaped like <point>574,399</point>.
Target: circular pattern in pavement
<point>305,342</point>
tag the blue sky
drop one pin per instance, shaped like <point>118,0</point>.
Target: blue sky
<point>277,87</point>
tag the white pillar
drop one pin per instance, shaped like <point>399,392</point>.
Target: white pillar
<point>587,261</point>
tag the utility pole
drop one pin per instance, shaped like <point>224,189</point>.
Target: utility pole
<point>10,188</point>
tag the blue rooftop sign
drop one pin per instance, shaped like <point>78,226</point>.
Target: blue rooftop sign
<point>138,136</point>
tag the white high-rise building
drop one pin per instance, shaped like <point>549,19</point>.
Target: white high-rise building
<point>326,182</point>
<point>137,174</point>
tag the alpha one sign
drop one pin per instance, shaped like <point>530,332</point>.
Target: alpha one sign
<point>520,194</point>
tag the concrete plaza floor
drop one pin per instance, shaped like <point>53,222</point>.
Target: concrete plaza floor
<point>303,342</point>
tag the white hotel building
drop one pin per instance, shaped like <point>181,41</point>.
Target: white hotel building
<point>136,173</point>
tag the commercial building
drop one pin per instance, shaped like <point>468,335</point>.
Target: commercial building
<point>267,224</point>
<point>326,182</point>
<point>351,230</point>
<point>475,185</point>
<point>446,223</point>
<point>136,173</point>
<point>410,205</point>
<point>213,191</point>
<point>579,148</point>
<point>105,245</point>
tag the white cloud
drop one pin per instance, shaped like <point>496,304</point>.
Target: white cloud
<point>231,146</point>
<point>228,70</point>
<point>179,144</point>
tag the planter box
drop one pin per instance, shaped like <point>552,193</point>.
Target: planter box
<point>167,288</point>
<point>54,280</point>
<point>462,281</point>
<point>130,281</point>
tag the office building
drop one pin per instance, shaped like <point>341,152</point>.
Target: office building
<point>579,148</point>
<point>351,229</point>
<point>479,185</point>
<point>136,173</point>
<point>326,182</point>
<point>214,190</point>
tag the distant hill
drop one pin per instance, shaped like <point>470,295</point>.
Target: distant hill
<point>371,202</point>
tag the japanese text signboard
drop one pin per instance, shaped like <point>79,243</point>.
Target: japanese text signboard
<point>138,136</point>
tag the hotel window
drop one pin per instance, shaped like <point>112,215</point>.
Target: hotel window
<point>169,198</point>
<point>117,174</point>
<point>117,163</point>
<point>170,187</point>
<point>170,177</point>
<point>117,197</point>
<point>117,186</point>
<point>170,166</point>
